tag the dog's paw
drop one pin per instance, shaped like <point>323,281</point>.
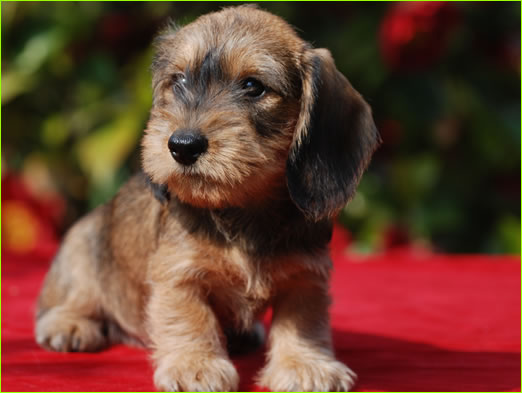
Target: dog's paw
<point>62,332</point>
<point>205,374</point>
<point>314,375</point>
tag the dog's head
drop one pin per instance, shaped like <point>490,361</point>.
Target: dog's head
<point>243,109</point>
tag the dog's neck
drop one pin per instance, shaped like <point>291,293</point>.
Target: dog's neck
<point>276,228</point>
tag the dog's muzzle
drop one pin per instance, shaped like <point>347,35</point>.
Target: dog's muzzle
<point>187,145</point>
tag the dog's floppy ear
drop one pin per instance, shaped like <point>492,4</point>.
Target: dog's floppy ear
<point>334,139</point>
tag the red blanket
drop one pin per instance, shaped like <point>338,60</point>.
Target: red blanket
<point>402,321</point>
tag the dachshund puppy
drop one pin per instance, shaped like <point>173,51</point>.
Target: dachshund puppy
<point>255,141</point>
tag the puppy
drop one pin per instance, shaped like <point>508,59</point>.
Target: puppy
<point>255,141</point>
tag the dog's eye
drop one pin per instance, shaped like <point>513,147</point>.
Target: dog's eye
<point>178,79</point>
<point>253,88</point>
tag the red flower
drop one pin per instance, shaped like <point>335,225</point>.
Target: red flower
<point>29,223</point>
<point>414,34</point>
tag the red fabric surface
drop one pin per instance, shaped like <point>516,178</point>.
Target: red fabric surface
<point>402,321</point>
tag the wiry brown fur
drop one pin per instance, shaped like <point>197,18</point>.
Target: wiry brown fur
<point>184,254</point>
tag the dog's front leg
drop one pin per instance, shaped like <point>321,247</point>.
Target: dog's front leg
<point>300,355</point>
<point>188,344</point>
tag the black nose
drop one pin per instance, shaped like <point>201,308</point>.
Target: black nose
<point>187,145</point>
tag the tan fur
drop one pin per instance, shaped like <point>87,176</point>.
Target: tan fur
<point>183,254</point>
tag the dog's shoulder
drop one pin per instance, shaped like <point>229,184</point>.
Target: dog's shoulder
<point>134,217</point>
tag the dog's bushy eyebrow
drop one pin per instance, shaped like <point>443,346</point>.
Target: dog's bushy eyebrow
<point>216,64</point>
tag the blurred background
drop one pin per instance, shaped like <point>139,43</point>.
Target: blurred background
<point>443,80</point>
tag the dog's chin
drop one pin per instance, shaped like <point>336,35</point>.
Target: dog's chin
<point>202,202</point>
<point>204,193</point>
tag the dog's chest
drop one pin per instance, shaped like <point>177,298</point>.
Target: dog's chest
<point>242,292</point>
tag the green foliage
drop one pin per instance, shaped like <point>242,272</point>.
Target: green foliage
<point>76,93</point>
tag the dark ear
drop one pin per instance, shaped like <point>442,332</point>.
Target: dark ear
<point>334,140</point>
